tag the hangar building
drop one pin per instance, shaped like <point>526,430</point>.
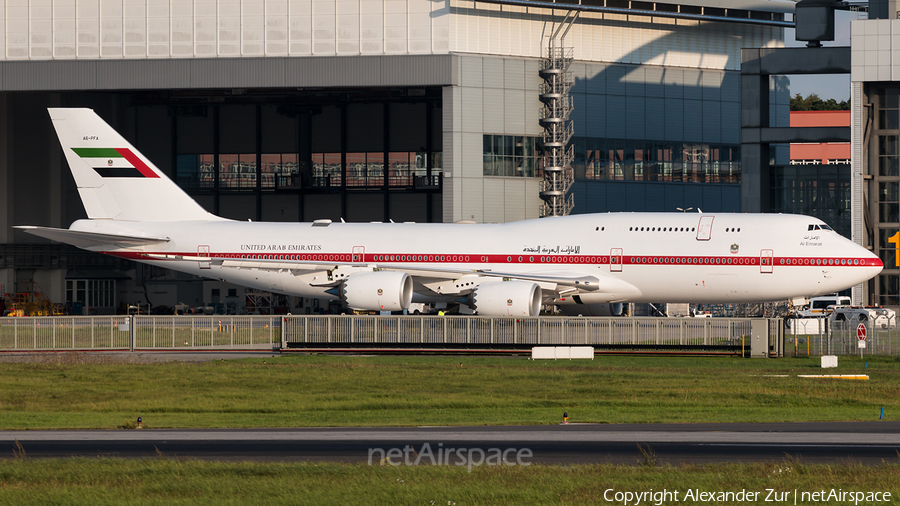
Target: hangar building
<point>366,110</point>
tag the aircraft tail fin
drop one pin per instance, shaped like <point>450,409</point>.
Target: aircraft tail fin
<point>115,181</point>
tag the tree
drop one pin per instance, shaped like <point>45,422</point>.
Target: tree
<point>813,103</point>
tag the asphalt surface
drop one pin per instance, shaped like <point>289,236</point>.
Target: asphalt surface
<point>864,442</point>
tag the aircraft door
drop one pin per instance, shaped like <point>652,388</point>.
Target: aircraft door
<point>203,251</point>
<point>766,262</point>
<point>359,254</point>
<point>704,228</point>
<point>615,260</point>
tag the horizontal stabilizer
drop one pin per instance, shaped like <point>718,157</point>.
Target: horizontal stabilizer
<point>91,240</point>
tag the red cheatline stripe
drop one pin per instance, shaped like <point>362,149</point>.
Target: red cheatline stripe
<point>137,162</point>
<point>687,261</point>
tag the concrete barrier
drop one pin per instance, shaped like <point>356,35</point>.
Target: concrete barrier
<point>562,352</point>
<point>829,361</point>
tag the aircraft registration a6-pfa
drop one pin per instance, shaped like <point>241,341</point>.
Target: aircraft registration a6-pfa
<point>587,264</point>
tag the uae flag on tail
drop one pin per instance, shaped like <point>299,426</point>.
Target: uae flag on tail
<point>114,162</point>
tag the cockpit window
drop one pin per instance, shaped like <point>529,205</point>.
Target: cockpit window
<point>820,227</point>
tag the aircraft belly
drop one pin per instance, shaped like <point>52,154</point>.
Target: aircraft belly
<point>279,282</point>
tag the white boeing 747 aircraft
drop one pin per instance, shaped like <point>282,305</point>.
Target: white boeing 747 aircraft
<point>592,261</point>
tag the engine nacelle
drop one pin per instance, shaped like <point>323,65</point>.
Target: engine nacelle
<point>507,298</point>
<point>378,291</point>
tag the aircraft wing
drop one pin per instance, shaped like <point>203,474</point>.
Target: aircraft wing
<point>556,282</point>
<point>91,240</point>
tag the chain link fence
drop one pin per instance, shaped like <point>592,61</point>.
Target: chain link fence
<point>828,336</point>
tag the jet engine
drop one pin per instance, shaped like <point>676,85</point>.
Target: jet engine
<point>507,298</point>
<point>378,291</point>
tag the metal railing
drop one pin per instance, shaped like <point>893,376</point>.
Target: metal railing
<point>819,336</point>
<point>477,331</point>
<point>139,332</point>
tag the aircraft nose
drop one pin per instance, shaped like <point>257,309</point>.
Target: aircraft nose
<point>873,264</point>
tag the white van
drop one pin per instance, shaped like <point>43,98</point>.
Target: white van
<point>818,306</point>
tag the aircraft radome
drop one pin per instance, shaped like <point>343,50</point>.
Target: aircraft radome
<point>593,262</point>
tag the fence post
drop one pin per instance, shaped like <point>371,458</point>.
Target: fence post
<point>132,323</point>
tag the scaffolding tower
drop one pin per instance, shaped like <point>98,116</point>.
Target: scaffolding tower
<point>558,128</point>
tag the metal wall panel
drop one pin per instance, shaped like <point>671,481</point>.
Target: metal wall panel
<point>693,121</point>
<point>317,207</point>
<point>731,127</point>
<point>532,108</point>
<point>514,114</point>
<point>472,110</point>
<point>693,84</point>
<point>238,207</point>
<point>514,74</point>
<point>470,72</point>
<point>595,116</point>
<point>654,83</point>
<point>365,207</point>
<point>514,197</point>
<point>615,113</point>
<point>674,119</point>
<point>579,113</point>
<point>731,87</point>
<point>655,195</point>
<point>532,79</point>
<point>472,198</point>
<point>595,78</point>
<point>635,196</point>
<point>615,80</point>
<point>472,155</point>
<point>634,81</point>
<point>712,83</point>
<point>577,69</point>
<point>634,117</point>
<point>65,75</point>
<point>674,83</point>
<point>493,111</point>
<point>492,72</point>
<point>694,196</point>
<point>712,122</point>
<point>494,200</point>
<point>409,207</point>
<point>280,208</point>
<point>654,119</point>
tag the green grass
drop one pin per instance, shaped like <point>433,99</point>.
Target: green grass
<point>85,391</point>
<point>170,481</point>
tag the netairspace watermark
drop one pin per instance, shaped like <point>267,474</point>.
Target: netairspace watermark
<point>769,495</point>
<point>440,456</point>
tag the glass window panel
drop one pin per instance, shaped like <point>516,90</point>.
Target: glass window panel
<point>887,145</point>
<point>892,99</point>
<point>889,166</point>
<point>893,119</point>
